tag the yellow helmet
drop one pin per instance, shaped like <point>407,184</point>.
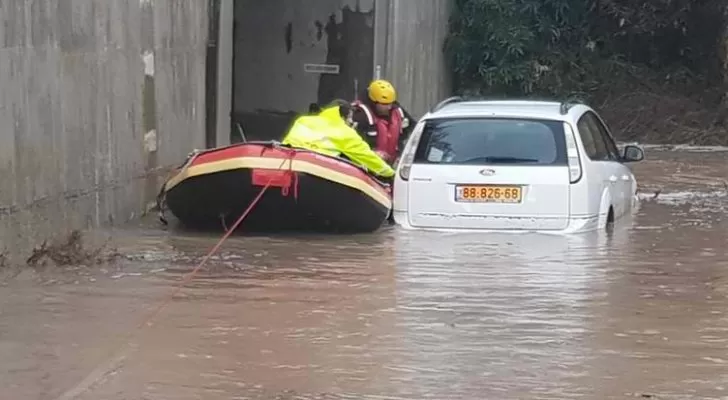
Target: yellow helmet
<point>381,91</point>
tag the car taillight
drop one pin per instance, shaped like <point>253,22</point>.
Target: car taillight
<point>405,166</point>
<point>408,155</point>
<point>572,154</point>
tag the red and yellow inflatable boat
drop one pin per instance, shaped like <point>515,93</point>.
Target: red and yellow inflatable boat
<point>307,190</point>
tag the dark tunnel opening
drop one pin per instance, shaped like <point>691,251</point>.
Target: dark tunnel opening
<point>284,53</point>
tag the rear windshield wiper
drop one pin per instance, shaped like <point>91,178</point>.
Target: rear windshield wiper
<point>512,160</point>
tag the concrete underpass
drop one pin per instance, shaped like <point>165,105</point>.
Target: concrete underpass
<point>101,99</point>
<point>275,58</point>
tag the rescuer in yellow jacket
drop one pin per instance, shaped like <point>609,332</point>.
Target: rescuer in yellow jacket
<point>329,133</point>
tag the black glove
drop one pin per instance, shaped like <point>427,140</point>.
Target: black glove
<point>387,181</point>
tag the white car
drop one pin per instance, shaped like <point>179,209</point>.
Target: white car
<point>513,166</point>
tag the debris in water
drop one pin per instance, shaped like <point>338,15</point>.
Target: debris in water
<point>70,252</point>
<point>715,360</point>
<point>124,274</point>
<point>642,395</point>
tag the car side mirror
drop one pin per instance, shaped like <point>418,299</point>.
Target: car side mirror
<point>633,153</point>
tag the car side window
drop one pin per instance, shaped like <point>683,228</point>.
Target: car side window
<point>610,146</point>
<point>593,144</point>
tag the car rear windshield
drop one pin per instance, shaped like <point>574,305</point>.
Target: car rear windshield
<point>479,141</point>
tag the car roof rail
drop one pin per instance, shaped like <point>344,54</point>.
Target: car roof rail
<point>449,100</point>
<point>564,108</point>
<point>568,103</point>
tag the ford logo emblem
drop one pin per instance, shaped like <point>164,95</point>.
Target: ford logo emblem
<point>487,172</point>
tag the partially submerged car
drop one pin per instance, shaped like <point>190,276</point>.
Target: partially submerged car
<point>513,165</point>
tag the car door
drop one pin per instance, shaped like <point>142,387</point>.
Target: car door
<point>600,171</point>
<point>617,177</point>
<point>624,175</point>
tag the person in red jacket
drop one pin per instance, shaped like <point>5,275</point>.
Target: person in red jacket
<point>382,121</point>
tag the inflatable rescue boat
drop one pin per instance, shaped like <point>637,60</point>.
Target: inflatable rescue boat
<point>304,191</point>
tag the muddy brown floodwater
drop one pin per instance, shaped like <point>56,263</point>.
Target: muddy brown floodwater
<point>641,312</point>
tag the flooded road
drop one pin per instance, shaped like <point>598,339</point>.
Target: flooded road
<point>638,313</point>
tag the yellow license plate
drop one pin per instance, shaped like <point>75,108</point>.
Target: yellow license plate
<point>488,194</point>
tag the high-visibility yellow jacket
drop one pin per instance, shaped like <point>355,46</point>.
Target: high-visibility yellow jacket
<point>327,133</point>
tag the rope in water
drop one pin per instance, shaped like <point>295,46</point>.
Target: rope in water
<point>114,360</point>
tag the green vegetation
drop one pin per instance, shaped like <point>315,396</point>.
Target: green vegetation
<point>655,68</point>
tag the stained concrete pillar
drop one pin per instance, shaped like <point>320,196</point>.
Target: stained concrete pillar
<point>224,73</point>
<point>724,46</point>
<point>409,38</point>
<point>381,37</point>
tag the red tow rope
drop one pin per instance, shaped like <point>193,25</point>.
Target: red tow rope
<point>292,177</point>
<point>112,363</point>
<point>188,278</point>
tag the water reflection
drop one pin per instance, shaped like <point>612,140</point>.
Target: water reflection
<point>660,328</point>
<point>639,311</point>
<point>488,313</point>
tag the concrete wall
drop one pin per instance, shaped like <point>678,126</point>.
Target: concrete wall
<point>723,54</point>
<point>97,98</point>
<point>100,97</point>
<point>409,46</point>
<point>273,41</point>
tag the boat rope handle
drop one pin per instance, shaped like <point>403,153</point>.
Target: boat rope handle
<point>291,174</point>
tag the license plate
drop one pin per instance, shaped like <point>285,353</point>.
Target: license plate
<point>488,194</point>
